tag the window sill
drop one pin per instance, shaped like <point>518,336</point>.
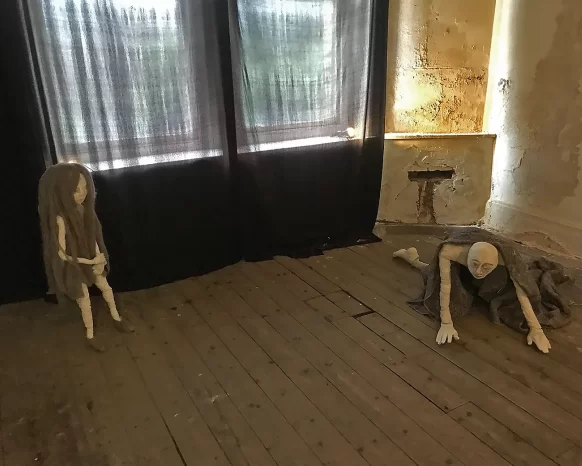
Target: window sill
<point>202,154</point>
<point>306,142</point>
<point>151,160</point>
<point>400,136</point>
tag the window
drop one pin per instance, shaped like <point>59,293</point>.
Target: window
<point>117,77</point>
<point>120,83</point>
<point>290,56</point>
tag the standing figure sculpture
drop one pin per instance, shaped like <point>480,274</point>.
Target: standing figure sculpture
<point>476,263</point>
<point>74,253</point>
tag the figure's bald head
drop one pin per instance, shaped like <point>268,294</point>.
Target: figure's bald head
<point>482,259</point>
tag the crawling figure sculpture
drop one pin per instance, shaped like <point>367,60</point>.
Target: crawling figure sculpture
<point>476,263</point>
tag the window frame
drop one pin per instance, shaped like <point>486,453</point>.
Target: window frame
<point>128,151</point>
<point>332,127</point>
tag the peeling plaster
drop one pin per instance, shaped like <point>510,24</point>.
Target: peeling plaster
<point>459,200</point>
<point>538,119</point>
<point>556,127</point>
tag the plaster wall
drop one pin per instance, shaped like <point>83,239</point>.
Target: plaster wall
<point>438,56</point>
<point>534,105</point>
<point>456,201</point>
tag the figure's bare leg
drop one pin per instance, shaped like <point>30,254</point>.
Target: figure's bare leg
<point>84,303</point>
<point>121,324</point>
<point>410,255</point>
<point>103,285</point>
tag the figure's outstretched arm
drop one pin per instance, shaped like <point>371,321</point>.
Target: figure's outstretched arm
<point>536,334</point>
<point>62,238</point>
<point>447,331</point>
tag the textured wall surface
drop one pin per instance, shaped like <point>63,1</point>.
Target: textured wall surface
<point>438,56</point>
<point>459,200</point>
<point>534,105</point>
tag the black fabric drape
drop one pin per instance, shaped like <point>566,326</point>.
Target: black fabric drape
<point>166,222</point>
<point>298,200</point>
<point>261,192</point>
<point>22,163</point>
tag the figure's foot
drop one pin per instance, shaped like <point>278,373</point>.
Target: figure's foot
<point>124,326</point>
<point>409,255</point>
<point>95,345</point>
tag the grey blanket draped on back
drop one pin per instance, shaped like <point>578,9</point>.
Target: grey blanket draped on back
<point>540,279</point>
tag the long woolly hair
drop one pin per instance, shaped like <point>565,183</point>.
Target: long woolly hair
<point>83,230</point>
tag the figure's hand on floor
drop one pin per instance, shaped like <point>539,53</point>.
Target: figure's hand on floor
<point>446,334</point>
<point>537,336</point>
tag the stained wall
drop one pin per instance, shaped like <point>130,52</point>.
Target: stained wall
<point>534,106</point>
<point>435,198</point>
<point>438,57</point>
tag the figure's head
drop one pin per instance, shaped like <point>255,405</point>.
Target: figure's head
<point>482,259</point>
<point>69,185</point>
<point>80,193</point>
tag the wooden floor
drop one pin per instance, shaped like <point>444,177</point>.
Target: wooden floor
<point>315,361</point>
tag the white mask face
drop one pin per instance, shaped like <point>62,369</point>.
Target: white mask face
<point>81,191</point>
<point>482,259</point>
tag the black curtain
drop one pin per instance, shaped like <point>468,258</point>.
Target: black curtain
<point>21,134</point>
<point>302,198</point>
<point>218,130</point>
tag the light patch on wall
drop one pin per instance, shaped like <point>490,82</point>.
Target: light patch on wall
<point>438,54</point>
<point>413,93</point>
<point>500,165</point>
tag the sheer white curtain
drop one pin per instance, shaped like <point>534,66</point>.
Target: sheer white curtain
<point>133,82</point>
<point>303,69</point>
<point>119,80</point>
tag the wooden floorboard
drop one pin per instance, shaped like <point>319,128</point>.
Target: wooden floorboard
<point>148,433</point>
<point>107,436</point>
<point>539,382</point>
<point>333,399</point>
<point>336,410</point>
<point>236,437</point>
<point>422,335</point>
<point>282,441</point>
<point>321,284</point>
<point>317,432</point>
<point>564,391</point>
<point>497,436</point>
<point>510,385</point>
<point>40,421</point>
<point>385,391</point>
<point>413,374</point>
<point>183,421</point>
<point>315,361</point>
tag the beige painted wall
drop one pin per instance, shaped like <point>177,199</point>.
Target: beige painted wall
<point>438,54</point>
<point>460,200</point>
<point>535,107</point>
